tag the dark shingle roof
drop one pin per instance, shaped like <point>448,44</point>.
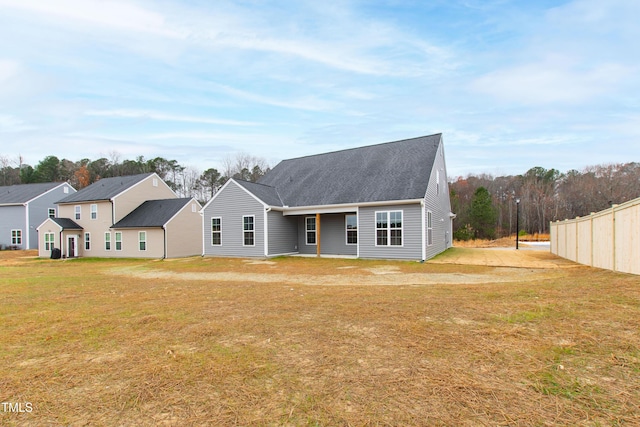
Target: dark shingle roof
<point>105,189</point>
<point>152,213</point>
<point>22,193</point>
<point>66,223</point>
<point>266,193</point>
<point>397,170</point>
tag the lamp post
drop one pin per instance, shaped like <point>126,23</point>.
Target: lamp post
<point>517,221</point>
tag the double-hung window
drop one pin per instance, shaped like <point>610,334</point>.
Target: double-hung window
<point>352,229</point>
<point>107,241</point>
<point>142,240</point>
<point>78,211</point>
<point>310,223</point>
<point>49,239</point>
<point>51,212</point>
<point>118,241</point>
<point>87,241</point>
<point>16,237</point>
<point>248,230</point>
<point>216,231</point>
<point>389,228</point>
<point>94,211</point>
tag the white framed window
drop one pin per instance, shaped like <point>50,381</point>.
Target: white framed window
<point>16,237</point>
<point>49,239</point>
<point>429,229</point>
<point>310,227</point>
<point>389,228</point>
<point>351,224</point>
<point>78,210</point>
<point>216,231</point>
<point>87,241</point>
<point>107,241</point>
<point>118,241</point>
<point>248,229</point>
<point>94,211</point>
<point>437,182</point>
<point>142,240</point>
<point>155,182</point>
<point>65,190</point>
<point>193,207</point>
<point>51,212</point>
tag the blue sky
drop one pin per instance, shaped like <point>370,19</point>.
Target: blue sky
<point>510,84</point>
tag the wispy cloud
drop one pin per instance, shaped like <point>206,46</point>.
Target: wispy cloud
<point>159,116</point>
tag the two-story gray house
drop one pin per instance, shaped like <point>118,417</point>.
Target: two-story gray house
<point>388,200</point>
<point>23,207</point>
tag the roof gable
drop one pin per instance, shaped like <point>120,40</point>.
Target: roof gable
<point>106,188</point>
<point>62,223</point>
<point>153,213</point>
<point>267,194</point>
<point>397,170</point>
<point>23,193</point>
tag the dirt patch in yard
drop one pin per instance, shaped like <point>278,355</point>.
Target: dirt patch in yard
<point>502,266</point>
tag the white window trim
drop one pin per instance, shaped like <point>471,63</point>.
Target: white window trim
<point>86,239</point>
<point>346,230</point>
<point>220,232</point>
<point>93,210</point>
<point>116,241</point>
<point>247,231</point>
<point>49,212</point>
<point>17,240</point>
<point>307,231</point>
<point>388,228</point>
<point>51,242</point>
<point>140,240</point>
<point>429,228</point>
<point>107,233</point>
<point>77,212</point>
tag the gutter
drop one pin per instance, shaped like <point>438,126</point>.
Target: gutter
<point>343,207</point>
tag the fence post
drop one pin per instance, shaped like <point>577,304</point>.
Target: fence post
<point>613,224</point>
<point>592,237</point>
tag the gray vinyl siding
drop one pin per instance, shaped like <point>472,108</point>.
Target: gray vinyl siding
<point>39,211</point>
<point>333,236</point>
<point>283,233</point>
<point>13,218</point>
<point>231,204</point>
<point>411,233</point>
<point>440,207</point>
<point>303,248</point>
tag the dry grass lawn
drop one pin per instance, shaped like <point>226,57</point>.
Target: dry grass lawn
<point>528,340</point>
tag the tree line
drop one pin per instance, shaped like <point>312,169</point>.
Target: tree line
<point>186,181</point>
<point>486,205</point>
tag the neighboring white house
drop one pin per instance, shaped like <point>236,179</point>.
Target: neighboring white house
<point>388,200</point>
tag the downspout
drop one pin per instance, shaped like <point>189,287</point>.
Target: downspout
<point>202,215</point>
<point>26,225</point>
<point>164,230</point>
<point>423,227</point>
<point>266,231</point>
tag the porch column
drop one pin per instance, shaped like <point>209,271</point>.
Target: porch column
<point>317,234</point>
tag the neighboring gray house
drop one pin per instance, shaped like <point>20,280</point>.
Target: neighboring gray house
<point>23,207</point>
<point>382,201</point>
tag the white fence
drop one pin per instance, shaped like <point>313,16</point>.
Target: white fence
<point>608,239</point>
